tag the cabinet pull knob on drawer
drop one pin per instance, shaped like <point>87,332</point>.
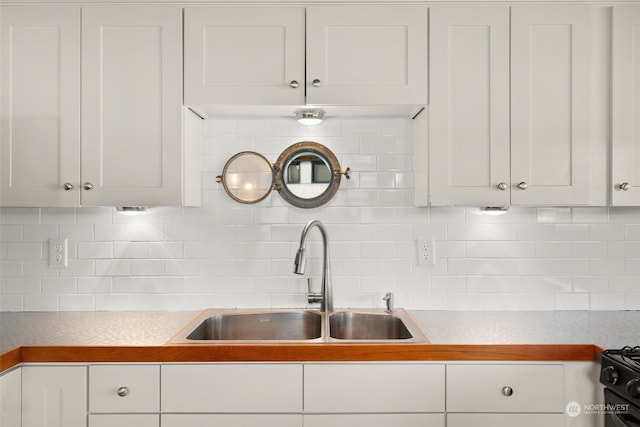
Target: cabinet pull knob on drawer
<point>123,391</point>
<point>507,391</point>
<point>523,185</point>
<point>68,186</point>
<point>87,186</point>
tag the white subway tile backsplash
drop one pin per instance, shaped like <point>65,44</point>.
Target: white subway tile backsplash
<point>229,255</point>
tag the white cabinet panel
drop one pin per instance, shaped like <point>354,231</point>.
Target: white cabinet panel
<point>469,106</point>
<point>372,388</point>
<point>375,420</point>
<point>10,399</point>
<point>232,388</point>
<point>256,420</point>
<point>550,105</point>
<point>132,105</point>
<point>625,106</point>
<point>479,388</point>
<point>54,396</point>
<point>244,55</point>
<point>367,55</point>
<point>135,420</point>
<point>39,106</point>
<point>505,420</point>
<point>124,388</point>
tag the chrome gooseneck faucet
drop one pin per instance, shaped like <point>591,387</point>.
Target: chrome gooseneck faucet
<point>325,297</point>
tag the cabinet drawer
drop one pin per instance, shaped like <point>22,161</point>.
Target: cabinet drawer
<point>505,420</point>
<point>374,388</point>
<point>128,388</point>
<point>232,388</point>
<point>226,420</point>
<point>129,420</point>
<point>479,388</point>
<point>375,420</point>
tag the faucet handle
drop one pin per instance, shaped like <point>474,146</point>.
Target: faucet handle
<point>388,298</point>
<point>313,297</point>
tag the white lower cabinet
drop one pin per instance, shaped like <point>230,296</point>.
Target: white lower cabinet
<point>505,420</point>
<point>374,388</point>
<point>10,391</point>
<point>232,420</point>
<point>124,420</point>
<point>372,394</point>
<point>124,388</point>
<point>54,396</point>
<point>505,388</point>
<point>374,420</point>
<point>232,388</point>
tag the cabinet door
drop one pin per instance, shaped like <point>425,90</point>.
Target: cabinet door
<point>625,106</point>
<point>371,388</point>
<point>227,420</point>
<point>375,420</point>
<point>39,106</point>
<point>132,105</point>
<point>505,420</point>
<point>367,55</point>
<point>232,388</point>
<point>10,394</point>
<point>54,396</point>
<point>550,105</point>
<point>480,388</point>
<point>136,420</point>
<point>469,106</point>
<point>124,388</point>
<point>244,55</point>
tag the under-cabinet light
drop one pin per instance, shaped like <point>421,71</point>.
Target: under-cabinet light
<point>493,210</point>
<point>132,210</point>
<point>310,117</point>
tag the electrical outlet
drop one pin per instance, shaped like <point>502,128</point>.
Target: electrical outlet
<point>426,251</point>
<point>58,253</point>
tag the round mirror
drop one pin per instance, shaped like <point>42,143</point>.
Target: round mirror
<point>247,177</point>
<point>306,175</point>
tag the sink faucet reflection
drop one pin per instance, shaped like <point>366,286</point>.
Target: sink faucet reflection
<point>325,297</point>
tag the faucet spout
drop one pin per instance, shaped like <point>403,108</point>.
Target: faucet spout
<point>299,265</point>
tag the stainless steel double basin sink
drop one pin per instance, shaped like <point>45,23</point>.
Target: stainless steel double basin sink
<point>300,326</point>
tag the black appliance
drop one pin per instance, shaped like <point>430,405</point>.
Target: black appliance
<point>620,374</point>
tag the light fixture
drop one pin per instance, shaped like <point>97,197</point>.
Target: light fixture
<point>132,210</point>
<point>493,210</point>
<point>310,116</point>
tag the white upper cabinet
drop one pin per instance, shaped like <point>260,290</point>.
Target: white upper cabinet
<point>91,104</point>
<point>39,106</point>
<point>469,109</point>
<point>132,105</point>
<point>550,105</point>
<point>244,55</point>
<point>625,106</point>
<point>354,55</point>
<point>510,113</point>
<point>367,55</point>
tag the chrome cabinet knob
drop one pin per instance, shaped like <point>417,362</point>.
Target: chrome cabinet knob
<point>502,186</point>
<point>507,391</point>
<point>67,186</point>
<point>294,84</point>
<point>316,83</point>
<point>625,186</point>
<point>523,185</point>
<point>123,391</point>
<point>87,186</point>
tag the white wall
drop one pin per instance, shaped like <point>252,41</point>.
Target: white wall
<point>230,255</point>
